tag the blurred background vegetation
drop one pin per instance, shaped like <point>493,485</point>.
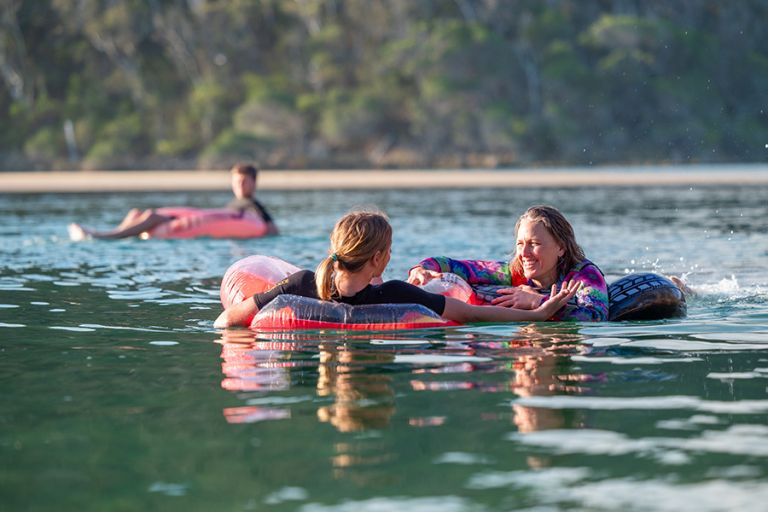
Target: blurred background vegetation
<point>162,84</point>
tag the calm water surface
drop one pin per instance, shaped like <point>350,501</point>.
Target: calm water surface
<point>119,395</point>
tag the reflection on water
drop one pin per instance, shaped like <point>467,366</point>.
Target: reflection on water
<point>353,380</point>
<point>112,380</point>
<point>362,398</point>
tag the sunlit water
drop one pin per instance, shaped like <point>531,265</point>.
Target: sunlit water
<point>119,395</point>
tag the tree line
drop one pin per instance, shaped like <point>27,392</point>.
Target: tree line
<point>114,84</point>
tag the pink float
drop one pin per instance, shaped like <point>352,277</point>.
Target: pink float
<point>256,274</point>
<point>213,223</point>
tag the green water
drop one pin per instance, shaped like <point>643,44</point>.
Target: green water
<point>119,394</point>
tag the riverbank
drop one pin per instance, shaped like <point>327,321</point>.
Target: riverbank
<point>147,181</point>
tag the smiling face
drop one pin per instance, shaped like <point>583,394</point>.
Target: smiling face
<point>538,252</point>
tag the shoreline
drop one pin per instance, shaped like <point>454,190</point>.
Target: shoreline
<point>194,180</point>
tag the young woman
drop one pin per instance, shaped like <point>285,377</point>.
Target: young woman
<point>546,255</point>
<point>361,244</point>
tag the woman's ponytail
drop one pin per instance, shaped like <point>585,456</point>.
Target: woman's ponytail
<point>355,238</point>
<point>324,279</point>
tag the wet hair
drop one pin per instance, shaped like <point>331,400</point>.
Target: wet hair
<point>355,239</point>
<point>246,169</point>
<point>562,231</point>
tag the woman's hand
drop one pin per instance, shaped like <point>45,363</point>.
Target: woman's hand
<point>558,299</point>
<point>520,297</point>
<point>421,276</point>
<point>239,314</point>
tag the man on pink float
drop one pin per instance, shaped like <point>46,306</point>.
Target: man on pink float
<point>137,222</point>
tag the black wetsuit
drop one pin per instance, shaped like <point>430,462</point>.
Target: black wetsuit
<point>392,292</point>
<point>243,205</point>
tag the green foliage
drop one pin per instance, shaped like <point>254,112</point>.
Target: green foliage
<point>46,144</point>
<point>232,145</point>
<point>351,120</point>
<point>115,141</point>
<point>393,83</point>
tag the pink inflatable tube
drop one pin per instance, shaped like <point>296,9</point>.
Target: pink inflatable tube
<point>256,274</point>
<point>213,223</point>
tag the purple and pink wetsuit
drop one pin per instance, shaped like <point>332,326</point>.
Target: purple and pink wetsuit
<point>590,304</point>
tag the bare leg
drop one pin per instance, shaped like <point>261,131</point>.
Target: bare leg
<point>131,218</point>
<point>134,224</point>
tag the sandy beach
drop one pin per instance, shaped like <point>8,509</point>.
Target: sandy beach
<point>139,181</point>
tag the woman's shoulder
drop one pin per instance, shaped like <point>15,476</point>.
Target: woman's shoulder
<point>395,285</point>
<point>586,267</point>
<point>299,277</point>
<point>305,274</point>
<point>585,263</point>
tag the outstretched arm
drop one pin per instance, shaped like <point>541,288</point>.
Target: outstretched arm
<point>590,304</point>
<point>472,271</point>
<point>465,313</point>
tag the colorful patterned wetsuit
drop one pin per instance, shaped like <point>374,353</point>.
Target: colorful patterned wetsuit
<point>589,305</point>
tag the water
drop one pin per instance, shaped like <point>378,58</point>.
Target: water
<point>119,395</point>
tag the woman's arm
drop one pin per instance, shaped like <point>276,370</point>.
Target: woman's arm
<point>300,283</point>
<point>472,271</point>
<point>238,315</point>
<point>465,313</point>
<point>590,304</point>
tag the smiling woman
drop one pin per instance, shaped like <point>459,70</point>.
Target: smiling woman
<point>546,254</point>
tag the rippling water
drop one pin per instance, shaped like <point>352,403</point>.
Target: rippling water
<point>119,394</point>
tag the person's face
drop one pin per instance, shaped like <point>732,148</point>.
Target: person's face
<point>538,252</point>
<point>242,185</point>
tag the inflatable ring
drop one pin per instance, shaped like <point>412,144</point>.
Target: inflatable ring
<point>256,274</point>
<point>645,297</point>
<point>294,312</point>
<point>213,223</point>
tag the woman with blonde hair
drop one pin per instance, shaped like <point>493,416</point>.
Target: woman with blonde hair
<point>546,255</point>
<point>361,244</point>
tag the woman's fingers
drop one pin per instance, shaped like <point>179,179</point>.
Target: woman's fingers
<point>566,292</point>
<point>415,276</point>
<point>570,288</point>
<point>421,276</point>
<point>504,302</point>
<point>505,291</point>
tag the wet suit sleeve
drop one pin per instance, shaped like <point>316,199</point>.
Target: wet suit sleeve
<point>262,211</point>
<point>590,304</point>
<point>301,283</point>
<point>400,292</point>
<point>472,271</point>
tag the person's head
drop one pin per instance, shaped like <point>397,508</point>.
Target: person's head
<point>244,180</point>
<point>545,245</point>
<point>358,238</point>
